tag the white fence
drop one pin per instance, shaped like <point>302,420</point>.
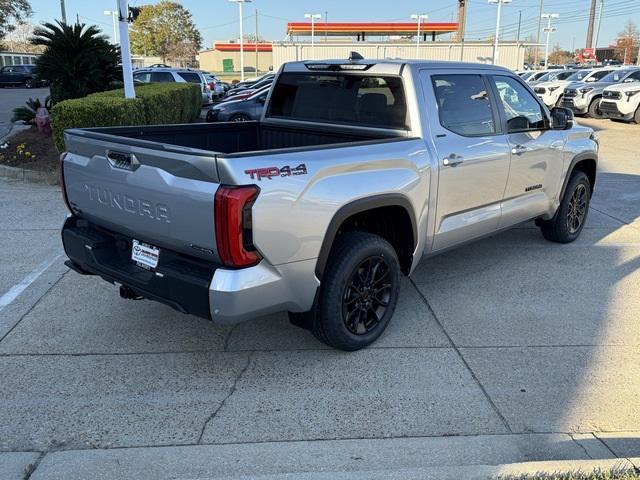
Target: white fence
<point>511,55</point>
<point>13,58</point>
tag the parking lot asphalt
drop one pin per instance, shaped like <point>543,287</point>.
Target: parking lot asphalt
<point>507,350</point>
<point>13,97</point>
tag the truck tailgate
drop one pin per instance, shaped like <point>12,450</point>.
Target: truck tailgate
<point>164,198</point>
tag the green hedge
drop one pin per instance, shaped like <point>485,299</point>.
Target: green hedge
<point>155,104</point>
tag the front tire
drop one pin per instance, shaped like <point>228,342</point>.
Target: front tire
<point>594,109</point>
<point>569,220</point>
<point>28,83</point>
<point>240,117</point>
<point>636,117</point>
<point>360,291</point>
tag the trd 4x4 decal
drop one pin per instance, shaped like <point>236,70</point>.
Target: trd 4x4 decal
<point>270,172</point>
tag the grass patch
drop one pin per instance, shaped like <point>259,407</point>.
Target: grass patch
<point>616,474</point>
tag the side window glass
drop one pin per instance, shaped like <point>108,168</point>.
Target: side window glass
<point>634,77</point>
<point>141,77</point>
<point>463,104</point>
<point>521,109</point>
<point>162,77</point>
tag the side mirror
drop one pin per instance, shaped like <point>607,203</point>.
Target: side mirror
<point>561,118</point>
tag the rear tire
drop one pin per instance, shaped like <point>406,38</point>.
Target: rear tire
<point>568,222</point>
<point>359,292</point>
<point>594,109</point>
<point>28,83</point>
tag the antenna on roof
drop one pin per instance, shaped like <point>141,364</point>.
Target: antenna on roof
<point>355,56</point>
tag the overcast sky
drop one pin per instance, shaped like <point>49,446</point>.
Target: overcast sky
<point>218,19</point>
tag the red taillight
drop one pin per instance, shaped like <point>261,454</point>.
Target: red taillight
<point>233,225</point>
<point>62,183</point>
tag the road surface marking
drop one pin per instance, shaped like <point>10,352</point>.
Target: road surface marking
<point>17,289</point>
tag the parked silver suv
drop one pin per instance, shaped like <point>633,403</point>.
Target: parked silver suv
<point>182,75</point>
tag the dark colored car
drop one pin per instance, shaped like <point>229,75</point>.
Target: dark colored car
<point>19,75</point>
<point>239,110</point>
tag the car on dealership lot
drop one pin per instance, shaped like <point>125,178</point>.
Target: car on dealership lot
<point>535,75</point>
<point>215,85</point>
<point>246,92</point>
<point>552,75</point>
<point>584,97</point>
<point>180,75</point>
<point>20,75</point>
<point>622,101</point>
<point>253,82</point>
<point>550,92</point>
<point>241,110</point>
<point>356,171</point>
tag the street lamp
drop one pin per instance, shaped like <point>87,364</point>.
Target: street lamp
<point>495,40</point>
<point>240,2</point>
<point>313,17</point>
<point>548,31</point>
<point>114,17</point>
<point>419,17</point>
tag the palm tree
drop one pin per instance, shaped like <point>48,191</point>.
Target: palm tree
<point>77,60</point>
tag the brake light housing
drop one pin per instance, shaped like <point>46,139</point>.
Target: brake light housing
<point>63,185</point>
<point>233,222</point>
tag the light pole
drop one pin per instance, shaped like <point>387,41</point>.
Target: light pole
<point>63,11</point>
<point>419,17</point>
<point>125,50</point>
<point>313,17</point>
<point>548,31</point>
<point>496,39</point>
<point>240,2</point>
<point>114,17</point>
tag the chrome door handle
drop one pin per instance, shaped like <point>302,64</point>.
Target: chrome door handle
<point>518,150</point>
<point>452,160</point>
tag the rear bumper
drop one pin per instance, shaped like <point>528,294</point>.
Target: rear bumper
<point>180,281</point>
<point>191,285</point>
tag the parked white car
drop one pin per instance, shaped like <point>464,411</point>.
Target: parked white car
<point>551,92</point>
<point>180,75</point>
<point>622,101</point>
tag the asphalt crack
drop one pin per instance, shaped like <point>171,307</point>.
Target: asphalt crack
<point>463,360</point>
<point>224,401</point>
<point>29,469</point>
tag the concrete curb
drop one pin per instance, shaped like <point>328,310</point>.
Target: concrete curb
<point>28,176</point>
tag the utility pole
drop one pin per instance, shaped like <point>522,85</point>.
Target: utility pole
<point>127,70</point>
<point>419,17</point>
<point>240,2</point>
<point>536,51</point>
<point>64,11</point>
<point>600,13</point>
<point>519,25</point>
<point>313,17</point>
<point>256,42</point>
<point>326,27</point>
<point>496,39</point>
<point>592,16</point>
<point>462,15</point>
<point>548,31</point>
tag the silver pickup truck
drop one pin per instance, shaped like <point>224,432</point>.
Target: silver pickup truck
<point>357,170</point>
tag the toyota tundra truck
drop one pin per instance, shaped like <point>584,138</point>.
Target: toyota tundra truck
<point>357,170</point>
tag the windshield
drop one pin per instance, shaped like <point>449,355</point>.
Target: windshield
<point>615,76</point>
<point>579,75</point>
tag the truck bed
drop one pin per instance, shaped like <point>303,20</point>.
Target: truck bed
<point>234,138</point>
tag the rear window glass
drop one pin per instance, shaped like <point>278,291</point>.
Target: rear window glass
<point>354,99</point>
<point>190,77</point>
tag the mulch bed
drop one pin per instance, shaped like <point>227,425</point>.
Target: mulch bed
<point>31,150</point>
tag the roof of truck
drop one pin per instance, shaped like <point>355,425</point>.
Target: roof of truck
<point>429,64</point>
